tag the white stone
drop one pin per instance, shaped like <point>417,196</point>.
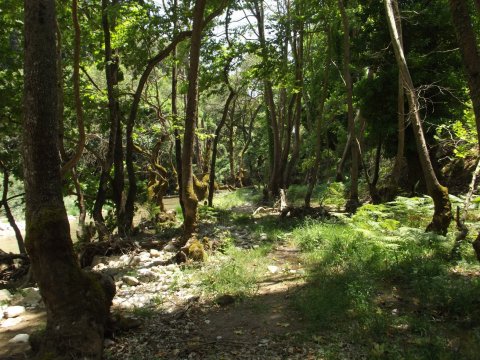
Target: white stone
<point>20,338</point>
<point>12,322</point>
<point>272,268</point>
<point>155,253</point>
<point>13,311</point>
<point>130,280</point>
<point>5,295</point>
<point>144,256</point>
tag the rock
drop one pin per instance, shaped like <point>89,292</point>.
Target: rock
<point>263,236</point>
<point>130,280</point>
<point>13,311</point>
<point>12,322</point>
<point>170,248</point>
<point>108,342</point>
<point>99,267</point>
<point>155,253</point>
<point>144,256</point>
<point>272,268</point>
<point>135,261</point>
<point>20,338</point>
<point>146,274</point>
<point>32,297</point>
<point>5,295</point>
<point>99,260</point>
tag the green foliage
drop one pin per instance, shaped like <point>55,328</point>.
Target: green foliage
<point>374,275</point>
<point>236,273</point>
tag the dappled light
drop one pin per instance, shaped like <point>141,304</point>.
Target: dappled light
<point>250,179</point>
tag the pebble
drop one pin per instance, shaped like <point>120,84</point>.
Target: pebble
<point>13,311</point>
<point>130,280</point>
<point>11,322</point>
<point>272,268</point>
<point>5,295</point>
<point>20,338</point>
<point>155,253</point>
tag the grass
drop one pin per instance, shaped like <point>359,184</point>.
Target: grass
<point>379,282</point>
<point>377,285</point>
<point>236,273</point>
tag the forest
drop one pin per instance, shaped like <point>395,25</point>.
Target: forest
<point>239,179</point>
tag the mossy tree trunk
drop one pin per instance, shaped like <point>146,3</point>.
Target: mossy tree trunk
<point>442,207</point>
<point>189,198</point>
<point>77,306</point>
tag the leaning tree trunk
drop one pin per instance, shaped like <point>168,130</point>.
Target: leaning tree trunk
<point>189,198</point>
<point>218,130</point>
<point>353,202</point>
<point>442,215</point>
<point>77,306</point>
<point>469,50</point>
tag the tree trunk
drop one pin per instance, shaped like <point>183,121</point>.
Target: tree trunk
<point>469,50</point>
<point>298,51</point>
<point>399,168</point>
<point>188,194</point>
<point>321,108</point>
<point>77,306</point>
<point>218,130</point>
<point>231,144</point>
<point>110,70</point>
<point>176,134</point>
<point>275,173</point>
<point>353,202</point>
<point>442,215</point>
<point>8,212</point>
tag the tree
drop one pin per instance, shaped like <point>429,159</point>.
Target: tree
<point>442,214</point>
<point>188,195</point>
<point>469,50</point>
<point>77,306</point>
<point>353,201</point>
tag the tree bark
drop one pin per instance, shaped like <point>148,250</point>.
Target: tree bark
<point>77,306</point>
<point>442,214</point>
<point>469,50</point>
<point>178,141</point>
<point>400,165</point>
<point>218,130</point>
<point>353,202</point>
<point>189,197</point>
<point>8,211</point>
<point>321,108</point>
<point>110,71</point>
<point>275,173</point>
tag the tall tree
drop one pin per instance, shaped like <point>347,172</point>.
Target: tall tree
<point>77,307</point>
<point>189,197</point>
<point>353,201</point>
<point>469,50</point>
<point>442,214</point>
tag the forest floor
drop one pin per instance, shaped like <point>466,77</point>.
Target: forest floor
<point>369,286</point>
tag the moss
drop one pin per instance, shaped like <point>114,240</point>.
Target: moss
<point>196,251</point>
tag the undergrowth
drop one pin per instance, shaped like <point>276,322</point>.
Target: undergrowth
<point>378,281</point>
